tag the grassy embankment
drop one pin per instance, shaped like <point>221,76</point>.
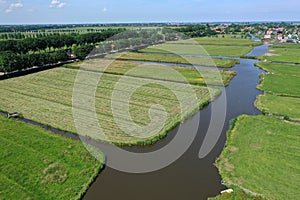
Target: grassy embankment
<point>262,153</point>
<point>227,46</point>
<point>37,164</point>
<point>46,97</point>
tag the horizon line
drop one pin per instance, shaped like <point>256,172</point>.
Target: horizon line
<point>162,22</point>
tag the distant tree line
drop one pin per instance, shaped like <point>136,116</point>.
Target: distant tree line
<point>55,41</point>
<point>29,52</point>
<point>12,62</point>
<point>200,30</point>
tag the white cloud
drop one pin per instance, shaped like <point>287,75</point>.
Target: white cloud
<point>104,9</point>
<point>14,6</point>
<point>57,4</point>
<point>61,5</point>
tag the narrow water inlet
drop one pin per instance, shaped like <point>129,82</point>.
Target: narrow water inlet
<point>189,177</point>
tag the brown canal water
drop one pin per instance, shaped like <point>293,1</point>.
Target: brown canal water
<point>189,177</point>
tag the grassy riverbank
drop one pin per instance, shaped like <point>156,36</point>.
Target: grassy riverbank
<point>200,61</point>
<point>238,194</point>
<point>46,97</point>
<point>262,155</point>
<point>37,164</point>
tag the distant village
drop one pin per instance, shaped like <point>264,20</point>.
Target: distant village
<point>281,35</point>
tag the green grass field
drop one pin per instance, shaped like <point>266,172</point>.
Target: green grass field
<point>46,97</point>
<point>226,40</point>
<point>281,85</point>
<point>284,80</point>
<point>37,164</point>
<point>192,75</point>
<point>278,105</point>
<point>223,63</point>
<point>283,53</point>
<point>263,155</point>
<point>210,50</point>
<point>281,69</point>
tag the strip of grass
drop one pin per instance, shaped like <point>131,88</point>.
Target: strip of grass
<point>37,164</point>
<point>46,97</point>
<point>211,50</point>
<point>192,75</point>
<point>263,155</point>
<point>222,63</point>
<point>278,105</point>
<point>282,69</point>
<point>281,85</point>
<point>283,54</point>
<point>234,40</point>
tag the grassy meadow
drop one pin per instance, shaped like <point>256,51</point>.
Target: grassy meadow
<point>46,97</point>
<point>280,69</point>
<point>283,53</point>
<point>279,105</point>
<point>200,61</point>
<point>230,40</point>
<point>210,50</point>
<point>282,90</point>
<point>37,164</point>
<point>263,155</point>
<point>281,85</point>
<point>192,75</point>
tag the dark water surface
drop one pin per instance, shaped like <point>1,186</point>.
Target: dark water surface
<point>189,177</point>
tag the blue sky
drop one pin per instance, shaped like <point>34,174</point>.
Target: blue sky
<point>107,11</point>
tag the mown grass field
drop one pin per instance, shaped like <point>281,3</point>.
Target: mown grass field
<point>279,105</point>
<point>284,53</point>
<point>284,80</point>
<point>37,164</point>
<point>231,40</point>
<point>46,97</point>
<point>281,69</point>
<point>207,50</point>
<point>281,85</point>
<point>192,75</point>
<point>263,155</point>
<point>200,61</point>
